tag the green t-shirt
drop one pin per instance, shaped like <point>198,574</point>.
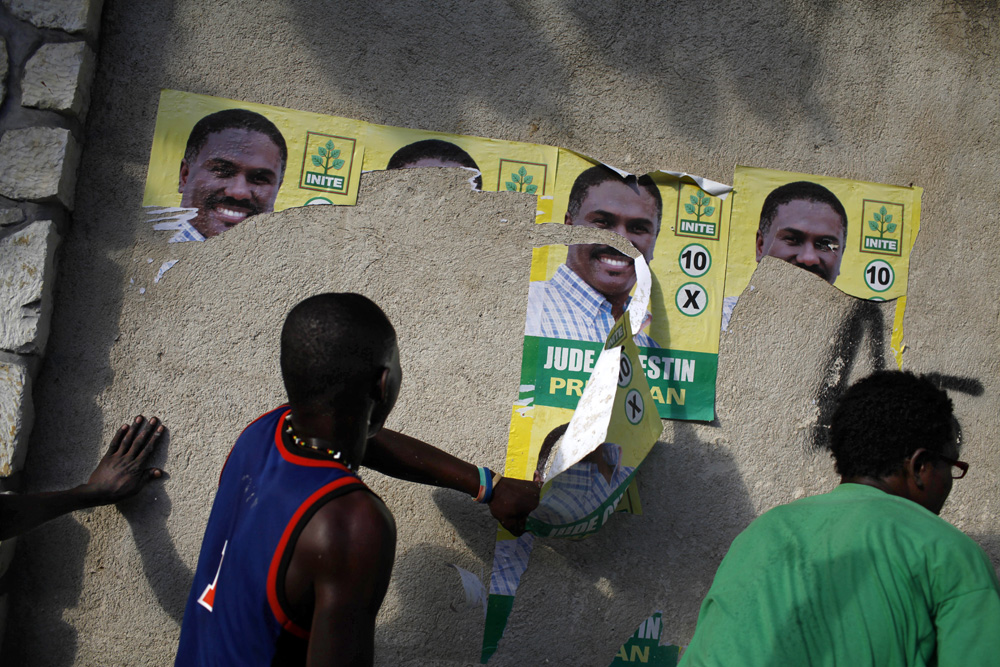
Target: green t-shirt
<point>852,577</point>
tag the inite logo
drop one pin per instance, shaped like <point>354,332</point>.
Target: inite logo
<point>524,177</point>
<point>882,230</point>
<point>322,160</point>
<point>701,215</point>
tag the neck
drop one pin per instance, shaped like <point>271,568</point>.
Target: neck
<point>891,485</point>
<point>617,305</point>
<point>342,439</point>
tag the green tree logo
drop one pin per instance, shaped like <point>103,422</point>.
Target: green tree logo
<point>328,158</point>
<point>699,206</point>
<point>882,223</point>
<point>521,182</point>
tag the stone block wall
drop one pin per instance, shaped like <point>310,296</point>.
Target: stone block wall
<point>47,60</point>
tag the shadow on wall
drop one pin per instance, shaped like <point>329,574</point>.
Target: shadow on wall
<point>62,542</point>
<point>165,570</point>
<point>431,61</point>
<point>68,438</point>
<point>681,46</point>
<point>694,503</point>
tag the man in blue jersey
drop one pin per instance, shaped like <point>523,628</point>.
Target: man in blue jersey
<point>591,290</point>
<point>866,574</point>
<point>298,552</point>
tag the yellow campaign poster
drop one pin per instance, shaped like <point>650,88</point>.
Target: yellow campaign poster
<point>682,230</point>
<point>499,166</point>
<point>215,162</point>
<point>855,235</point>
<point>589,458</point>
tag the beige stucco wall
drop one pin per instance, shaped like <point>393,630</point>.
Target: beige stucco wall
<point>896,92</point>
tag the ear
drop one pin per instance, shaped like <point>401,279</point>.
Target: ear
<point>183,176</point>
<point>760,246</point>
<point>380,403</point>
<point>917,467</point>
<point>567,220</point>
<point>382,386</point>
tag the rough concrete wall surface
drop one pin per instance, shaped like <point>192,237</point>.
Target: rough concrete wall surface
<point>893,92</point>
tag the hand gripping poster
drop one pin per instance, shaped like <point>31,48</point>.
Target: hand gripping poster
<point>855,235</point>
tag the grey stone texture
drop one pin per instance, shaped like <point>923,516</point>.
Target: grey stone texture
<point>16,413</point>
<point>73,16</point>
<point>40,164</point>
<point>27,274</point>
<point>10,216</point>
<point>58,77</point>
<point>895,92</point>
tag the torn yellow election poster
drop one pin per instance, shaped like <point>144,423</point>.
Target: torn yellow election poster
<point>215,162</point>
<point>855,235</point>
<point>587,463</point>
<point>679,224</point>
<point>494,165</point>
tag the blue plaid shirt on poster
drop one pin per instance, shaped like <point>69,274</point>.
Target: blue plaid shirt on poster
<point>567,307</point>
<point>581,488</point>
<point>510,560</point>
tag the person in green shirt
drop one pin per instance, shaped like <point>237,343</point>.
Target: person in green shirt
<point>866,574</point>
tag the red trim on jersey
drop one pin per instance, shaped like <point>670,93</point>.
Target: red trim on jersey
<point>301,460</point>
<point>241,435</point>
<point>272,573</point>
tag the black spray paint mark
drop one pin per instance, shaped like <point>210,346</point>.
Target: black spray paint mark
<point>970,386</point>
<point>863,322</point>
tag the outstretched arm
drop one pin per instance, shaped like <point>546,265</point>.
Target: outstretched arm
<point>403,457</point>
<point>120,474</point>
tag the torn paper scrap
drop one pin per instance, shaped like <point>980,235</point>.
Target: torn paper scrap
<point>172,218</point>
<point>475,592</point>
<point>645,646</point>
<point>166,266</point>
<point>610,433</point>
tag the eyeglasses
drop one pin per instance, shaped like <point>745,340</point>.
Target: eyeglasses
<point>962,466</point>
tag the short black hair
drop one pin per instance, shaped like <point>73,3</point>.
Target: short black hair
<point>598,174</point>
<point>332,347</point>
<point>437,149</point>
<point>799,191</point>
<point>884,418</point>
<point>240,119</point>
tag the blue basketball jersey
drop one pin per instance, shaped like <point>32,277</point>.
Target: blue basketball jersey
<point>237,610</point>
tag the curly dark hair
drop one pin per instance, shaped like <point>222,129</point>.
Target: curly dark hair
<point>434,148</point>
<point>884,418</point>
<point>799,191</point>
<point>239,119</point>
<point>599,174</point>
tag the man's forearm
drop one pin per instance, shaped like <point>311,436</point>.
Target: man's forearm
<point>403,457</point>
<point>21,513</point>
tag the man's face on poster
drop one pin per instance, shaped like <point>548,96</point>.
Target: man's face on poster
<point>628,212</point>
<point>236,174</point>
<point>807,234</point>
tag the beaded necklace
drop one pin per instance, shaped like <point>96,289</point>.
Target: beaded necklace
<point>316,444</point>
